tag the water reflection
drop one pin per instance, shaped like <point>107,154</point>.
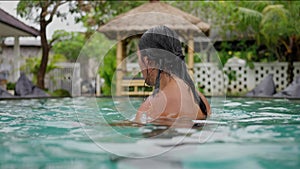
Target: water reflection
<point>159,128</point>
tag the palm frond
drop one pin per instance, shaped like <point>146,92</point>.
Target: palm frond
<point>293,8</point>
<point>257,6</point>
<point>275,17</point>
<point>250,17</point>
<point>249,12</point>
<point>278,7</point>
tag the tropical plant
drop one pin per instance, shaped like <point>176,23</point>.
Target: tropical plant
<point>32,65</point>
<point>69,44</point>
<point>60,93</point>
<point>275,25</point>
<point>41,12</point>
<point>91,13</point>
<point>107,70</point>
<point>10,86</point>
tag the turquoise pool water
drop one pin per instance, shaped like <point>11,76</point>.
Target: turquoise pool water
<point>91,133</point>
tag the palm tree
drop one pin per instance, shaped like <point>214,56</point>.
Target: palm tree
<point>275,25</point>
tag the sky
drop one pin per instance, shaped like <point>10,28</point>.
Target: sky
<point>68,24</point>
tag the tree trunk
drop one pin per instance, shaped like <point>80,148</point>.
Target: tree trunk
<point>290,69</point>
<point>45,53</point>
<point>292,53</point>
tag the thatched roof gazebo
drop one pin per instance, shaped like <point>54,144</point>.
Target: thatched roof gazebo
<point>138,20</point>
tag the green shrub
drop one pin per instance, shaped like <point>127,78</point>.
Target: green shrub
<point>10,86</point>
<point>107,70</point>
<point>60,93</point>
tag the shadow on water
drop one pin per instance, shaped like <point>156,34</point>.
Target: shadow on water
<point>159,128</point>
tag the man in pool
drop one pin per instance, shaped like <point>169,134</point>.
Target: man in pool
<point>162,64</point>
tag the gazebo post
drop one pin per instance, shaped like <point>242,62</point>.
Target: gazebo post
<point>124,63</point>
<point>191,55</point>
<point>119,68</point>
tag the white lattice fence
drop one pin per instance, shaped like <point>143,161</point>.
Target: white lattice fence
<point>61,78</point>
<point>242,78</point>
<point>209,78</point>
<point>296,69</point>
<point>279,71</point>
<point>235,78</point>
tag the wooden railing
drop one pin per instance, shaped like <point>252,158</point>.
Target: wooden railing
<point>135,87</point>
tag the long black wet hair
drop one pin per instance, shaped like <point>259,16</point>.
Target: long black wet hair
<point>162,46</point>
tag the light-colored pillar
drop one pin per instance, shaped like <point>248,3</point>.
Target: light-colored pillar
<point>76,80</point>
<point>119,75</point>
<point>191,56</point>
<point>98,85</point>
<point>16,59</point>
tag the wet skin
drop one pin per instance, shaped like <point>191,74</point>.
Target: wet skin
<point>174,99</point>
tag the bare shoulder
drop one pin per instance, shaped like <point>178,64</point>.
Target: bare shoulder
<point>153,106</point>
